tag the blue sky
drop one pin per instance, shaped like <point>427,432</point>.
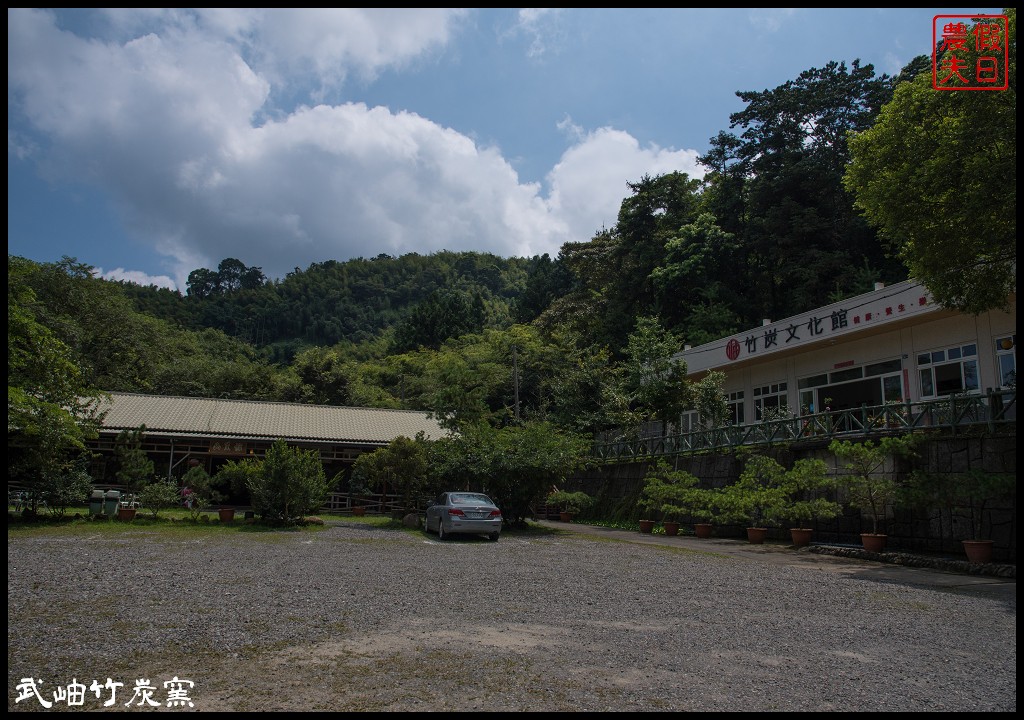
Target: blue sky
<point>151,142</point>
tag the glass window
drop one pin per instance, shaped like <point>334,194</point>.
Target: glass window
<point>927,388</point>
<point>769,398</point>
<point>1006,358</point>
<point>850,374</point>
<point>735,402</point>
<point>813,381</point>
<point>882,368</point>
<point>892,388</point>
<point>951,370</point>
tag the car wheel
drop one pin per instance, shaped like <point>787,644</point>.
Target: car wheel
<point>426,524</point>
<point>441,534</point>
<point>494,537</point>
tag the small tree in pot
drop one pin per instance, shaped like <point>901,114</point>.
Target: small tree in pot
<point>868,486</point>
<point>755,498</point>
<point>972,491</point>
<point>570,504</point>
<point>672,495</point>
<point>803,486</point>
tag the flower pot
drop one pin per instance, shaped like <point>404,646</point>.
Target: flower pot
<point>978,551</point>
<point>647,526</point>
<point>126,514</point>
<point>359,511</point>
<point>801,536</point>
<point>756,536</point>
<point>671,528</point>
<point>702,530</point>
<point>226,515</point>
<point>873,542</point>
<point>565,516</point>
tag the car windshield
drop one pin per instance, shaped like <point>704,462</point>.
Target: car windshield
<point>470,499</point>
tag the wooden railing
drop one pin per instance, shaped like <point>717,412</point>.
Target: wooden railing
<point>956,413</point>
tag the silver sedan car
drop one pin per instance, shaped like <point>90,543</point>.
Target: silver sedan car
<point>463,512</point>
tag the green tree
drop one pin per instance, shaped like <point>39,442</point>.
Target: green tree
<point>869,486</point>
<point>757,495</point>
<point>676,494</point>
<point>777,186</point>
<point>937,174</point>
<point>290,484</point>
<point>400,467</point>
<point>158,496</point>
<point>516,466</point>
<point>51,410</point>
<point>135,469</point>
<point>68,488</point>
<point>654,384</point>
<point>235,475</point>
<point>708,399</point>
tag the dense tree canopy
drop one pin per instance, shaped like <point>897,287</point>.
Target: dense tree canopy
<point>937,173</point>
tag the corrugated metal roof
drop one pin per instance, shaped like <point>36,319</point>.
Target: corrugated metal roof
<point>271,420</point>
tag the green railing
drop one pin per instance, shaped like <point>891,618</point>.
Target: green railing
<point>955,413</point>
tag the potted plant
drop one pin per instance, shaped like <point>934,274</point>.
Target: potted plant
<point>673,494</point>
<point>803,502</point>
<point>972,491</point>
<point>755,498</point>
<point>867,485</point>
<point>569,504</point>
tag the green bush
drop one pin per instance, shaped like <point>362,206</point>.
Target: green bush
<point>290,484</point>
<point>64,490</point>
<point>571,502</point>
<point>159,495</point>
<point>869,487</point>
<point>674,495</point>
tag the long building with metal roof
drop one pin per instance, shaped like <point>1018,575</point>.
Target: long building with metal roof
<point>188,431</point>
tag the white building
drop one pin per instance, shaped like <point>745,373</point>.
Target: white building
<point>892,344</point>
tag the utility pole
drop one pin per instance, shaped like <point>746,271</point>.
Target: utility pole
<point>515,381</point>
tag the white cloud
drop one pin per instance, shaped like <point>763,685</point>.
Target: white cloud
<point>139,278</point>
<point>180,129</point>
<point>590,181</point>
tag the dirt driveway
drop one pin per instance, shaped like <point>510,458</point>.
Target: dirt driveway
<point>360,618</point>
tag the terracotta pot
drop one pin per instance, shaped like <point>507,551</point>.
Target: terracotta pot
<point>565,516</point>
<point>756,536</point>
<point>873,542</point>
<point>359,511</point>
<point>647,526</point>
<point>126,514</point>
<point>702,530</point>
<point>226,515</point>
<point>671,528</point>
<point>801,536</point>
<point>978,551</point>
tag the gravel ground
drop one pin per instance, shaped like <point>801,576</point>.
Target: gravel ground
<point>356,618</point>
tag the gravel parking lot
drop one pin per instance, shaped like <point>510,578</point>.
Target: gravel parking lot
<point>354,617</point>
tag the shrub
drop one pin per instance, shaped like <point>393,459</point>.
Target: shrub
<point>674,494</point>
<point>570,502</point>
<point>159,495</point>
<point>290,483</point>
<point>65,489</point>
<point>868,486</point>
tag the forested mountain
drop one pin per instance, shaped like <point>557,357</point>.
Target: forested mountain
<point>473,337</point>
<point>425,299</point>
